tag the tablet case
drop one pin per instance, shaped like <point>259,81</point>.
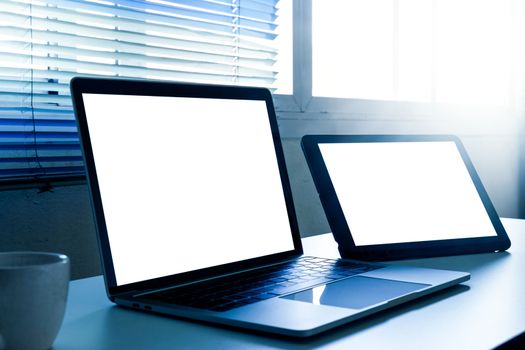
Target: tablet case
<point>392,251</point>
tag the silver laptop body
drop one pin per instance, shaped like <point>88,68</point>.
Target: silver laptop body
<point>188,185</point>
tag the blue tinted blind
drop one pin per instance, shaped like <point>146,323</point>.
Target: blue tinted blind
<point>43,44</point>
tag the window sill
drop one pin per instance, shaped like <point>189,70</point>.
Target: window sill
<point>43,184</point>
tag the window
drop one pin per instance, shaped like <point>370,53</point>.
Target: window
<point>350,58</point>
<point>443,51</point>
<point>43,44</point>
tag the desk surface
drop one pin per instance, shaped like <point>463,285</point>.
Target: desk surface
<point>480,314</point>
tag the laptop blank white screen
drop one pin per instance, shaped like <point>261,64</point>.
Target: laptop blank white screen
<point>398,192</point>
<point>185,183</point>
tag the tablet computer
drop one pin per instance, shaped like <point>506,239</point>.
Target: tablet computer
<point>402,196</point>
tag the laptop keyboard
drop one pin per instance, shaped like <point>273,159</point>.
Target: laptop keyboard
<point>226,293</point>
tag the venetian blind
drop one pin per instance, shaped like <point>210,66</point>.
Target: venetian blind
<point>43,44</point>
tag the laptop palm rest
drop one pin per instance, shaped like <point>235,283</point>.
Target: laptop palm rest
<point>356,292</point>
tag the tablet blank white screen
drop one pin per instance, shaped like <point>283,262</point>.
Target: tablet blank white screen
<point>397,192</point>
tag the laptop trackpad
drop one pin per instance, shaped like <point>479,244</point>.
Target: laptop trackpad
<point>356,292</point>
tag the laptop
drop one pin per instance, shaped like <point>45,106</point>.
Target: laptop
<point>195,217</point>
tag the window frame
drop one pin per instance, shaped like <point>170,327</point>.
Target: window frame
<point>302,113</point>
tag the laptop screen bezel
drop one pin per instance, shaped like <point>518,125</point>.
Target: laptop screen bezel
<point>80,86</point>
<point>339,225</point>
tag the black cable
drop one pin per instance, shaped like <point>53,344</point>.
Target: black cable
<point>32,92</point>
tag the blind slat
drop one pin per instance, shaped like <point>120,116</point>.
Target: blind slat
<point>22,49</point>
<point>194,20</point>
<point>129,69</point>
<point>66,76</point>
<point>100,45</point>
<point>153,38</point>
<point>18,17</point>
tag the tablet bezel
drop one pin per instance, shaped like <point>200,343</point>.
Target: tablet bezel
<point>392,251</point>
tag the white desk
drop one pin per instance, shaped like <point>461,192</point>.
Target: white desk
<point>481,314</point>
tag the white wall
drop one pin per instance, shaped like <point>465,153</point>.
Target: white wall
<point>58,221</point>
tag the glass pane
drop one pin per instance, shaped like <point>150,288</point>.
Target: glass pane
<point>415,50</point>
<point>446,51</point>
<point>473,51</point>
<point>352,44</point>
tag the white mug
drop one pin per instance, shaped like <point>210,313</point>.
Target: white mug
<point>33,295</point>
